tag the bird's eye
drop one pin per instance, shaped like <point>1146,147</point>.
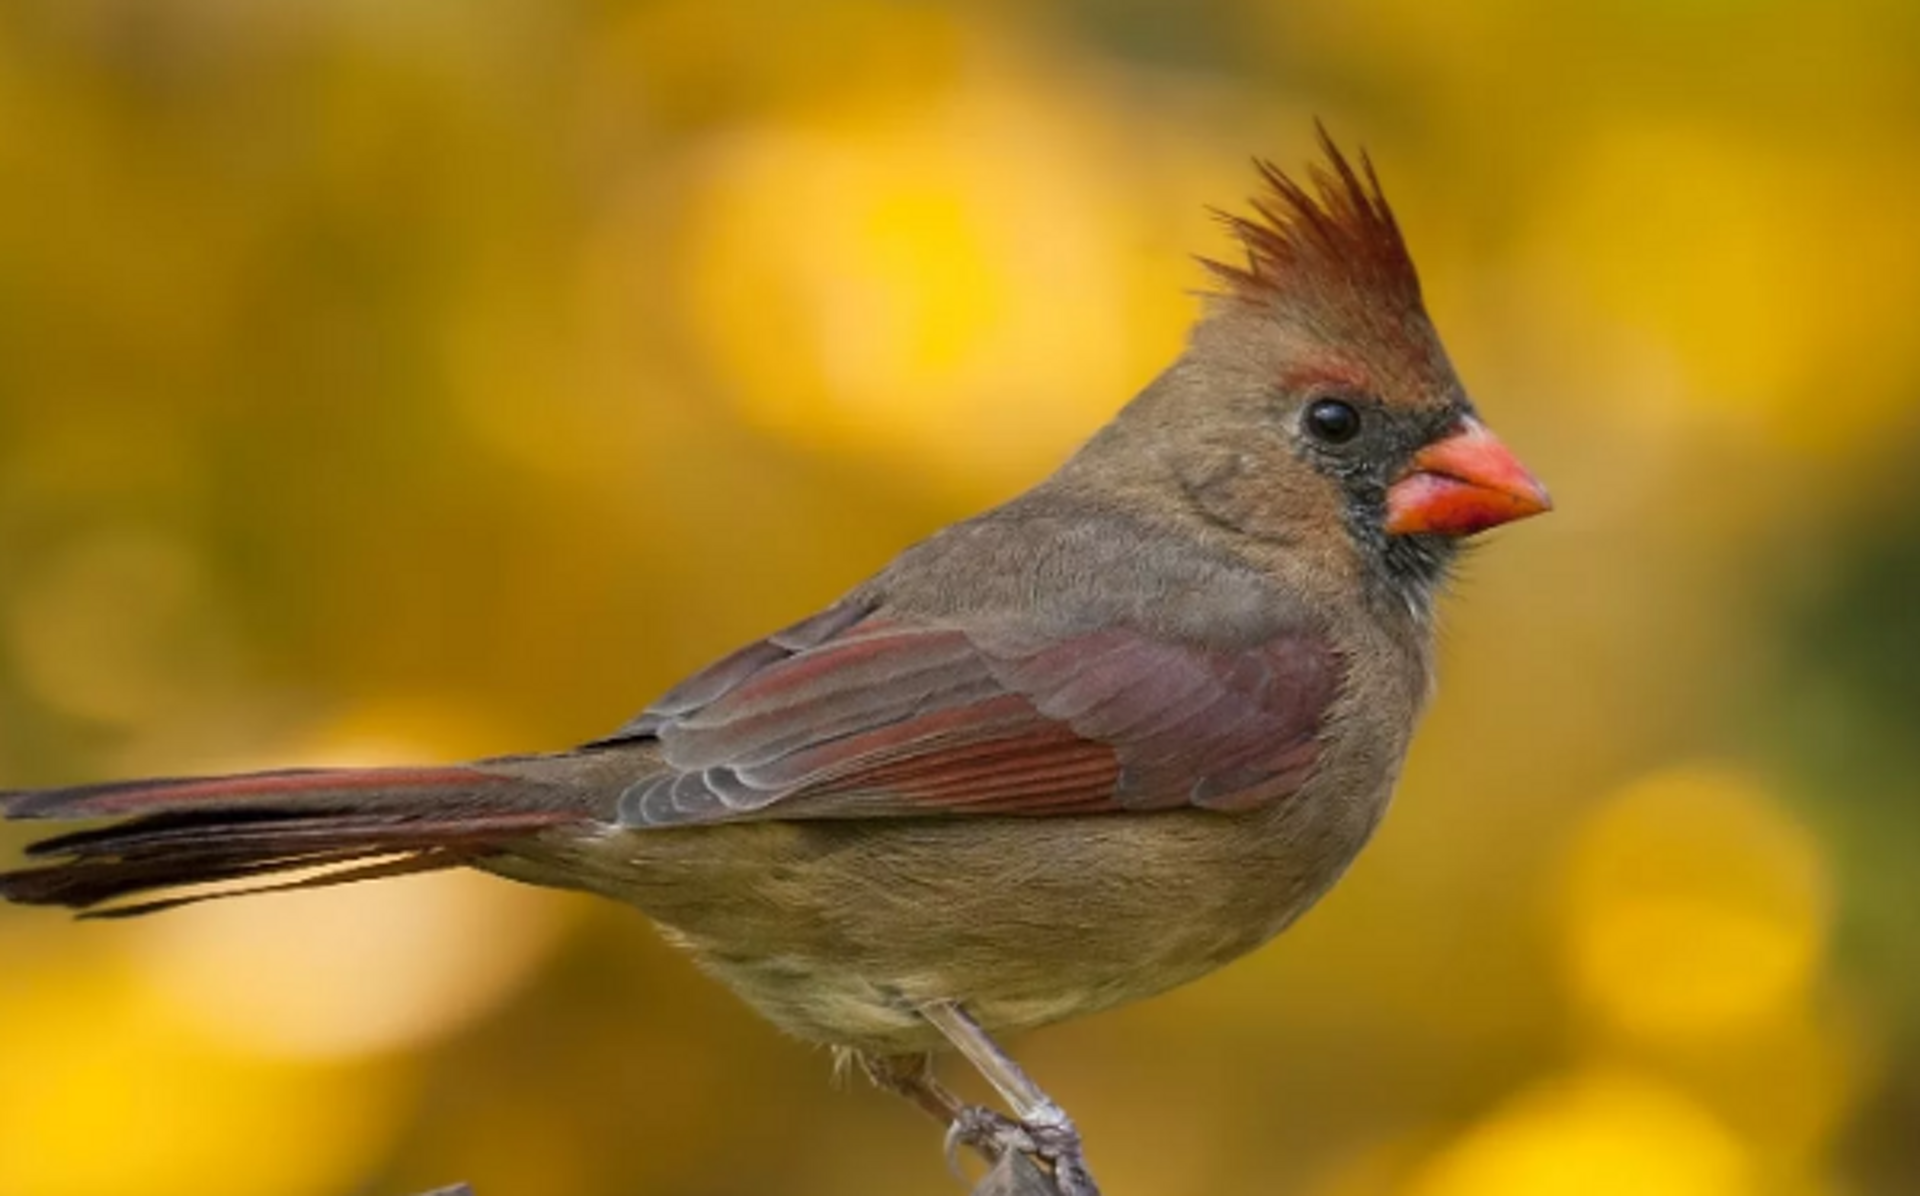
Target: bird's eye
<point>1332,421</point>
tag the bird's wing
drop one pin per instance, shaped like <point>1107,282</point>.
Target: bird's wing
<point>854,714</point>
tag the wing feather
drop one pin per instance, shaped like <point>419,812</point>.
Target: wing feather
<point>860,715</point>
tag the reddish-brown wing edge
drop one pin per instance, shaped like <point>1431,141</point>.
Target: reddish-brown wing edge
<point>848,715</point>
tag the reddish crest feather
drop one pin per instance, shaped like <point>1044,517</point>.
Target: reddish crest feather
<point>1333,244</point>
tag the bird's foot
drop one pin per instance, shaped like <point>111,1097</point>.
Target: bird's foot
<point>1057,1141</point>
<point>988,1132</point>
<point>1049,1135</point>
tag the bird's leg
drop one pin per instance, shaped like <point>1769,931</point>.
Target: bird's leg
<point>912,1076</point>
<point>1047,1127</point>
<point>989,1133</point>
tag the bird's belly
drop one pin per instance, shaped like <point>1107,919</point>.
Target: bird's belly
<point>872,1009</point>
<point>838,931</point>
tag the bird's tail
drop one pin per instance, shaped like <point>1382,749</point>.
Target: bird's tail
<point>336,825</point>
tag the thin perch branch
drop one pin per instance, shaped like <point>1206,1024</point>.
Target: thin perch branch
<point>1015,1175</point>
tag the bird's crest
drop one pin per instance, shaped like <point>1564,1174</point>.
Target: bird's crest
<point>1334,243</point>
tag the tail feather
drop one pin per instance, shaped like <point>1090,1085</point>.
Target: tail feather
<point>285,786</point>
<point>431,860</point>
<point>352,824</point>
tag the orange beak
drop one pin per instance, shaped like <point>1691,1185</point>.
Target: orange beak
<point>1463,483</point>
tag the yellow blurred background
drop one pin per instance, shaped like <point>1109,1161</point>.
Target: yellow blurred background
<point>389,380</point>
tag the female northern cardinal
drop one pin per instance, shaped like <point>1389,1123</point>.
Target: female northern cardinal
<point>1081,748</point>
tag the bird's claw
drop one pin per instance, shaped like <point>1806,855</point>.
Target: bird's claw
<point>1057,1141</point>
<point>1049,1136</point>
<point>992,1134</point>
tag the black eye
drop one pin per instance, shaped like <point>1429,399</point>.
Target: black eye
<point>1332,421</point>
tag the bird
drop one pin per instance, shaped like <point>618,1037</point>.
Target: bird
<point>1078,749</point>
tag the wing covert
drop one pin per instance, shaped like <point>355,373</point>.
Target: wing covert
<point>855,714</point>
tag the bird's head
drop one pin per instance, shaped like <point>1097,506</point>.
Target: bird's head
<point>1315,407</point>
